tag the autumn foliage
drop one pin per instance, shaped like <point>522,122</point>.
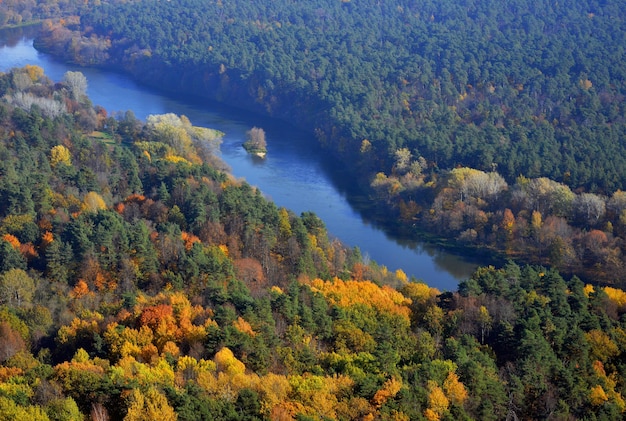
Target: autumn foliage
<point>138,285</point>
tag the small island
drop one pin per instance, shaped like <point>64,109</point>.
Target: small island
<point>255,142</point>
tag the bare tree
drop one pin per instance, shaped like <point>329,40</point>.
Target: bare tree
<point>99,412</point>
<point>21,81</point>
<point>546,196</point>
<point>474,183</point>
<point>589,208</point>
<point>76,83</point>
<point>48,106</point>
<point>255,140</point>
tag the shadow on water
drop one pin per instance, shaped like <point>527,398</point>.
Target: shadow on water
<point>10,37</point>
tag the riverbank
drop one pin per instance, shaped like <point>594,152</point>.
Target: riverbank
<point>468,244</point>
<point>297,174</point>
<point>150,72</point>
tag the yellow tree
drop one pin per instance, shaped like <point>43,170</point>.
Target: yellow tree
<point>59,154</point>
<point>484,318</point>
<point>438,403</point>
<point>10,411</point>
<point>93,202</point>
<point>401,277</point>
<point>597,396</point>
<point>536,222</point>
<point>455,390</point>
<point>617,296</point>
<point>601,346</point>
<point>175,132</point>
<point>34,72</point>
<point>149,406</point>
<point>228,363</point>
<point>273,389</point>
<point>243,326</point>
<point>284,225</point>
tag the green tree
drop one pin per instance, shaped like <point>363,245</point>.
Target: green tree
<point>59,261</point>
<point>16,288</point>
<point>63,410</point>
<point>10,411</point>
<point>10,258</point>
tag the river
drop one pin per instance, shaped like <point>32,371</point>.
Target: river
<point>296,174</point>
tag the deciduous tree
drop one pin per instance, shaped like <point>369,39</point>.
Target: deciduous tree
<point>16,288</point>
<point>149,406</point>
<point>77,84</point>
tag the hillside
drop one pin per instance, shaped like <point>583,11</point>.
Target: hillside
<point>477,122</point>
<point>138,280</point>
<point>533,88</point>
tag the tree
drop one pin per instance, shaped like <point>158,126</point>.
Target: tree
<point>390,388</point>
<point>589,208</point>
<point>226,361</point>
<point>99,412</point>
<point>250,272</point>
<point>59,259</point>
<point>63,410</point>
<point>10,411</point>
<point>455,390</point>
<point>255,141</point>
<point>177,133</point>
<point>485,320</point>
<point>616,204</point>
<point>149,406</point>
<point>11,342</point>
<point>536,222</point>
<point>601,346</point>
<point>76,83</point>
<point>508,223</point>
<point>59,154</point>
<point>34,72</point>
<point>93,202</point>
<point>438,403</point>
<point>16,288</point>
<point>476,184</point>
<point>403,159</point>
<point>597,396</point>
<point>545,196</point>
<point>10,257</point>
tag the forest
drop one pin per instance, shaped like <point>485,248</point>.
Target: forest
<point>140,280</point>
<point>24,12</point>
<point>532,88</point>
<point>414,97</point>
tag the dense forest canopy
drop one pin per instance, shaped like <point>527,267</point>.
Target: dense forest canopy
<point>498,124</point>
<point>24,12</point>
<point>530,88</point>
<point>140,281</point>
